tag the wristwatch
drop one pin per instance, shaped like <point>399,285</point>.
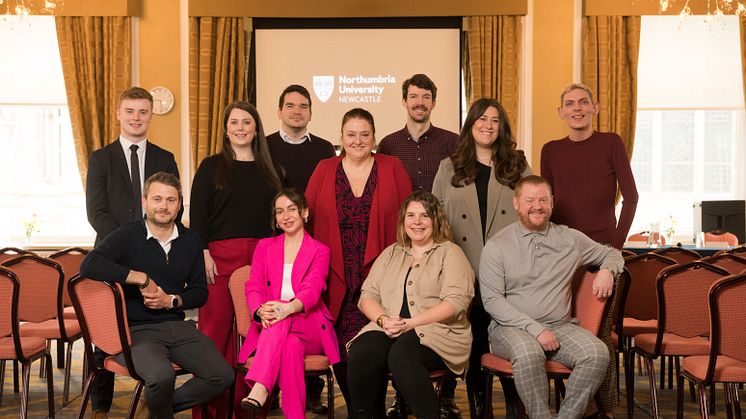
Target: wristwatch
<point>174,301</point>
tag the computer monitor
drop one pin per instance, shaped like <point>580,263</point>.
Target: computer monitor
<point>725,216</point>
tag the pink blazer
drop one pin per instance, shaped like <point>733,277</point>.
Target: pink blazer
<point>310,271</point>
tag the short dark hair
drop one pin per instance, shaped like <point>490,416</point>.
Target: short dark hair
<point>418,80</point>
<point>135,92</point>
<point>168,179</point>
<point>532,180</point>
<point>297,88</point>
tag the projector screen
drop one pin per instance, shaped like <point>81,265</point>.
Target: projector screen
<point>345,68</point>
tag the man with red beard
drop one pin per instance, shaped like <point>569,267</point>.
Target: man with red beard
<point>526,273</point>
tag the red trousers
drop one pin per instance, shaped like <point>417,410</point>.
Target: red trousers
<point>216,317</point>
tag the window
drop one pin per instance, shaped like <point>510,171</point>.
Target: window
<point>40,186</point>
<point>690,115</point>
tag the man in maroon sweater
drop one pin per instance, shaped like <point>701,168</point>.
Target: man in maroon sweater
<point>584,170</point>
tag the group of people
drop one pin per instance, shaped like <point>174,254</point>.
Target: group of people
<point>421,255</point>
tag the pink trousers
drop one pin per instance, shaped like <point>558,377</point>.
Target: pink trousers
<point>216,317</point>
<point>279,359</point>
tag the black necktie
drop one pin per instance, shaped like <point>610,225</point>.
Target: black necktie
<point>135,176</point>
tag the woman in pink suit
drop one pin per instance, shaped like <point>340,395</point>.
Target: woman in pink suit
<point>290,320</point>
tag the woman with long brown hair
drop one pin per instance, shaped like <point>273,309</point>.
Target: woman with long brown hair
<point>475,186</point>
<point>231,199</point>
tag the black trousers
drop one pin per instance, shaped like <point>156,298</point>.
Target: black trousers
<point>155,346</point>
<point>102,388</point>
<point>480,321</point>
<point>373,353</point>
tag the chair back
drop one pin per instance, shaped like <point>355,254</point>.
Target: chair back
<point>728,261</point>
<point>11,252</point>
<point>738,251</point>
<point>9,290</point>
<point>643,237</point>
<point>628,253</point>
<point>590,310</point>
<point>682,299</point>
<point>101,311</point>
<point>41,288</point>
<point>643,269</point>
<point>679,254</point>
<point>70,259</point>
<point>725,237</point>
<point>623,284</point>
<point>727,312</point>
<point>237,289</point>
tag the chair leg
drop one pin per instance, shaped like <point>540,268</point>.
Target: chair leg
<point>629,381</point>
<point>2,380</point>
<point>60,351</point>
<point>679,393</point>
<point>50,386</point>
<point>486,395</point>
<point>653,389</point>
<point>133,401</point>
<point>712,400</point>
<point>68,365</point>
<point>663,372</point>
<point>704,414</point>
<point>25,378</point>
<point>87,392</point>
<point>330,393</point>
<point>43,367</point>
<point>670,370</point>
<point>736,399</point>
<point>15,376</point>
<point>728,401</point>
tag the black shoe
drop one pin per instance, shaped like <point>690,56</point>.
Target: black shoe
<point>448,409</point>
<point>315,406</point>
<point>394,411</point>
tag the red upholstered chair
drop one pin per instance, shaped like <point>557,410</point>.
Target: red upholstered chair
<point>313,364</point>
<point>586,307</point>
<point>738,251</point>
<point>11,252</point>
<point>640,311</point>
<point>679,254</point>
<point>726,362</point>
<point>643,237</point>
<point>721,237</point>
<point>15,347</point>
<point>683,327</point>
<point>728,261</point>
<point>40,305</point>
<point>102,313</point>
<point>70,259</point>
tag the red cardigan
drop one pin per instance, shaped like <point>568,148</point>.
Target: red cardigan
<point>393,186</point>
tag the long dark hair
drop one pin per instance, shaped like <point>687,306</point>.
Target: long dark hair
<point>509,162</point>
<point>296,198</point>
<point>267,167</point>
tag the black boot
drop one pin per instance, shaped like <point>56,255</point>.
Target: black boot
<point>395,410</point>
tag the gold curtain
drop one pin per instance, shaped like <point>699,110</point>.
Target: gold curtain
<point>611,46</point>
<point>97,66</point>
<point>217,77</point>
<point>491,60</point>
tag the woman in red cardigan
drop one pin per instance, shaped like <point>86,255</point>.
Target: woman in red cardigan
<point>354,199</point>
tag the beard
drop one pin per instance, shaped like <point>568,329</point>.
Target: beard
<point>162,218</point>
<point>533,224</point>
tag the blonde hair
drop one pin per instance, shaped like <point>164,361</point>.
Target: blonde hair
<point>575,86</point>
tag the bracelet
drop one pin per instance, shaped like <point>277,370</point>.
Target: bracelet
<point>145,284</point>
<point>379,320</point>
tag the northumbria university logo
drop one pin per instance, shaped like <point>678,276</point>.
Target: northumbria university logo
<point>323,87</point>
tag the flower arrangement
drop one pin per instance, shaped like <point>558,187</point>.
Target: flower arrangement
<point>669,225</point>
<point>31,226</point>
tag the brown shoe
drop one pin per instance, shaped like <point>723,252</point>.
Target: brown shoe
<point>100,414</point>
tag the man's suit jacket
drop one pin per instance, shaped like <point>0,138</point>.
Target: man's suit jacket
<point>310,271</point>
<point>108,196</point>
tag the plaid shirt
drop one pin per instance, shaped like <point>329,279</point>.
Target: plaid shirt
<point>420,158</point>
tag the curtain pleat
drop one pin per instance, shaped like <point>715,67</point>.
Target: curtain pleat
<point>491,61</point>
<point>97,66</point>
<point>217,77</point>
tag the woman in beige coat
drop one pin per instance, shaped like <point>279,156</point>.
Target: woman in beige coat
<point>416,296</point>
<point>475,186</point>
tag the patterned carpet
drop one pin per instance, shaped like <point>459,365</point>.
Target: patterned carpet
<point>38,400</point>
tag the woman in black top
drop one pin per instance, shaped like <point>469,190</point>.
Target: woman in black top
<point>231,204</point>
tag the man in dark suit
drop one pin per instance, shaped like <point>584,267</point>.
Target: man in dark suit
<point>114,192</point>
<point>112,198</point>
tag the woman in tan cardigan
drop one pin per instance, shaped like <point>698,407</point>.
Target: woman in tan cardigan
<point>416,296</point>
